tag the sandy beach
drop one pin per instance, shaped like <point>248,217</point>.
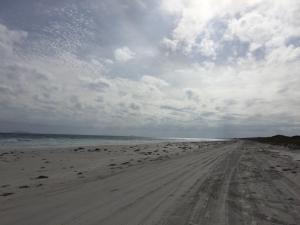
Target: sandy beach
<point>224,182</point>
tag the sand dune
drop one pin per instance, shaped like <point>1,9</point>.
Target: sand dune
<point>234,182</point>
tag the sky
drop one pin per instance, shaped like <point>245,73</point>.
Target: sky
<point>162,68</point>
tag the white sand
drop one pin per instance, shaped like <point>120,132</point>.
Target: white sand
<point>180,183</point>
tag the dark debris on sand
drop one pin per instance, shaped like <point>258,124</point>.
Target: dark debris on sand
<point>23,186</point>
<point>41,177</point>
<point>7,194</point>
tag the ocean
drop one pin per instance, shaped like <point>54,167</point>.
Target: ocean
<point>66,140</point>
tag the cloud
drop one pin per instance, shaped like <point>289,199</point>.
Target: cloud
<point>208,68</point>
<point>283,54</point>
<point>192,94</point>
<point>10,37</point>
<point>193,17</point>
<point>153,81</point>
<point>61,89</point>
<point>124,54</point>
<point>260,23</point>
<point>99,84</point>
<point>268,24</point>
<point>5,89</point>
<point>169,44</point>
<point>208,47</point>
<point>9,41</point>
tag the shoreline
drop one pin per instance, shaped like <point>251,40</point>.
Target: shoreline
<point>4,148</point>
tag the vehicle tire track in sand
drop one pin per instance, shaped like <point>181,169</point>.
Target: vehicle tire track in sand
<point>136,186</point>
<point>164,187</point>
<point>206,204</point>
<point>256,196</point>
<point>285,206</point>
<point>231,184</point>
<point>241,190</point>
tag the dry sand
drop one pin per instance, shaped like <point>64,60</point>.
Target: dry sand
<point>234,182</point>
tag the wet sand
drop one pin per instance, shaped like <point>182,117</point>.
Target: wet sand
<point>234,182</point>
